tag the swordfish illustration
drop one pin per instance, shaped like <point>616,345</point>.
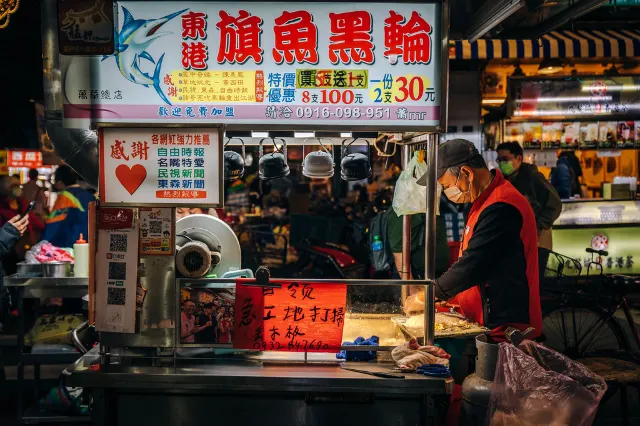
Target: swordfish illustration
<point>131,47</point>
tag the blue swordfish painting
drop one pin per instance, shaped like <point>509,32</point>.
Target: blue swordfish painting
<point>131,47</point>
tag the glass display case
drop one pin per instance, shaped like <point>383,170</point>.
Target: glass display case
<point>609,225</point>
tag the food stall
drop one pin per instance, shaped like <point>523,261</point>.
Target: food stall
<point>183,78</point>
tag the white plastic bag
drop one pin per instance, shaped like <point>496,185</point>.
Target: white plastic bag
<point>409,197</point>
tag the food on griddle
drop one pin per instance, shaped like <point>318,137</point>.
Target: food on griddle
<point>444,323</point>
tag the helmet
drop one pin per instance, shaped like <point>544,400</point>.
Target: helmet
<point>273,165</point>
<point>318,164</point>
<point>233,163</point>
<point>356,166</point>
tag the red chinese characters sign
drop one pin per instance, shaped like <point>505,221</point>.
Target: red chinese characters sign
<point>297,317</point>
<point>260,63</point>
<point>160,166</point>
<point>26,159</point>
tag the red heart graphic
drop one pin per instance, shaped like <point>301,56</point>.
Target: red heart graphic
<point>131,178</point>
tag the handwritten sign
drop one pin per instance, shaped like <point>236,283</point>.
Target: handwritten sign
<point>161,167</point>
<point>298,317</point>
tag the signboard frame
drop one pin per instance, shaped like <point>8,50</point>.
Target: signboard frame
<point>171,204</point>
<point>441,51</point>
<point>514,86</point>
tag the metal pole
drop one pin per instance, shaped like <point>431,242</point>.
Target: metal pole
<point>406,234</point>
<point>430,240</point>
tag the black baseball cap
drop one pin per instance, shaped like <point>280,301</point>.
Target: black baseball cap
<point>450,154</point>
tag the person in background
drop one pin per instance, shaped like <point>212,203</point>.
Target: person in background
<point>10,206</point>
<point>69,216</point>
<point>542,197</point>
<point>394,234</point>
<point>10,234</point>
<point>576,171</point>
<point>561,178</point>
<point>31,191</point>
<point>224,334</point>
<point>208,325</point>
<point>188,327</point>
<point>185,211</point>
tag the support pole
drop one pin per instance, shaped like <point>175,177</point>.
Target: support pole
<point>430,240</point>
<point>406,234</point>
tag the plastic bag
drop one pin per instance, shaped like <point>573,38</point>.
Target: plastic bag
<point>409,197</point>
<point>30,256</point>
<point>535,385</point>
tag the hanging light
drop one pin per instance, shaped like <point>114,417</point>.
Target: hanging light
<point>318,164</point>
<point>355,166</point>
<point>7,7</point>
<point>550,66</point>
<point>273,165</point>
<point>233,162</point>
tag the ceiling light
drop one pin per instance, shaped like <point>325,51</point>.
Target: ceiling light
<point>345,134</point>
<point>259,134</point>
<point>550,66</point>
<point>303,134</point>
<point>492,101</point>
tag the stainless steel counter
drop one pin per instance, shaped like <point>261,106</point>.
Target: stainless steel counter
<point>34,286</point>
<point>182,391</point>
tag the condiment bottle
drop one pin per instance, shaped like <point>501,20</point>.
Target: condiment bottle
<point>81,260</point>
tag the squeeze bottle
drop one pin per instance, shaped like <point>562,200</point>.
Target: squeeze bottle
<point>81,260</point>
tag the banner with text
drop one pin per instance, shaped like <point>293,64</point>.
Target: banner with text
<point>297,317</point>
<point>161,166</point>
<point>265,63</point>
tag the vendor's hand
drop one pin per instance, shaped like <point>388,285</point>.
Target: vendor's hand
<point>208,324</point>
<point>20,224</point>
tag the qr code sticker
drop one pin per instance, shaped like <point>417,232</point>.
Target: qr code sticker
<point>118,242</point>
<point>117,271</point>
<point>155,227</point>
<point>116,296</point>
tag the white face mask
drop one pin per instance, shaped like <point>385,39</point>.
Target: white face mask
<point>455,194</point>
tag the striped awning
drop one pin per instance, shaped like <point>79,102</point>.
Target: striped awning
<point>556,44</point>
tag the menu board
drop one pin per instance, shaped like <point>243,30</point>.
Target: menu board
<point>297,317</point>
<point>574,134</point>
<point>265,63</point>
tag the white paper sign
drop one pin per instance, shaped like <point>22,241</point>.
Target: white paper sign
<point>161,167</point>
<point>116,271</point>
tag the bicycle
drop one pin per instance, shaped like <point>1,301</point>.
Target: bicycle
<point>579,320</point>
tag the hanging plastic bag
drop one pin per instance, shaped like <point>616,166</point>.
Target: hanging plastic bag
<point>535,385</point>
<point>409,197</point>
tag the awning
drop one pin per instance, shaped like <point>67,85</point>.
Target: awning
<point>556,44</point>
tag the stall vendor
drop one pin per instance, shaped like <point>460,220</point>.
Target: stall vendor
<point>495,280</point>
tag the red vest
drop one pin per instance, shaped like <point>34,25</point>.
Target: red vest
<point>501,191</point>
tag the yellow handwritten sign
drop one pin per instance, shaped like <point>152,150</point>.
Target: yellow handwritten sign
<point>216,86</point>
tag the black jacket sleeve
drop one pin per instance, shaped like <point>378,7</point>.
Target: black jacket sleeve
<point>9,236</point>
<point>496,231</point>
<point>549,203</point>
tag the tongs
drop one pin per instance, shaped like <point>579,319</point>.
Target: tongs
<point>375,373</point>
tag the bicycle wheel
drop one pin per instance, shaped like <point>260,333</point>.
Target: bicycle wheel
<point>582,329</point>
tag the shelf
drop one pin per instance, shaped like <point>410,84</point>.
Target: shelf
<point>50,359</point>
<point>39,287</point>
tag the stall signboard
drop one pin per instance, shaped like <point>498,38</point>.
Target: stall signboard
<point>296,317</point>
<point>25,159</point>
<point>588,97</point>
<point>156,231</point>
<point>86,27</point>
<point>116,270</point>
<point>161,166</point>
<point>266,64</point>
